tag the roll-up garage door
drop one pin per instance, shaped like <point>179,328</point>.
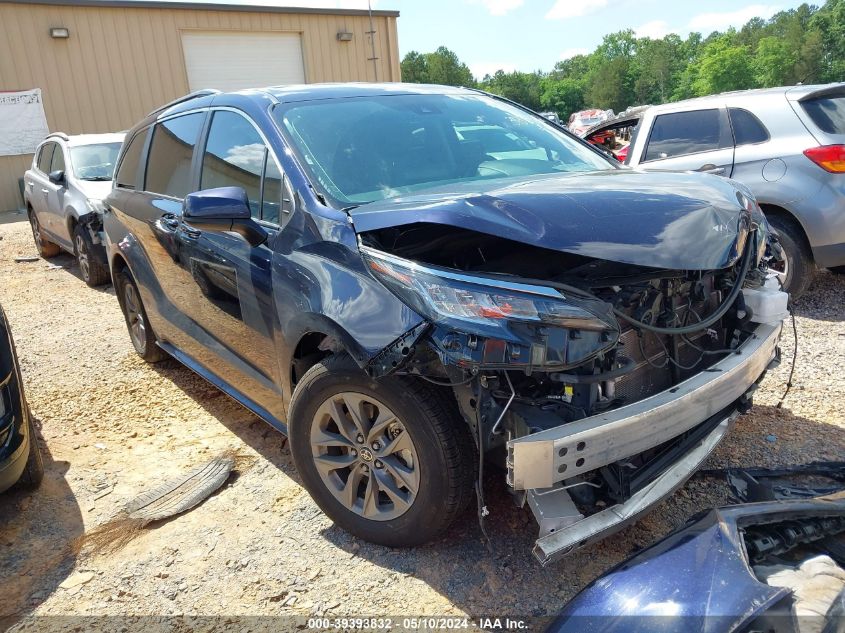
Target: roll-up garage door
<point>234,60</point>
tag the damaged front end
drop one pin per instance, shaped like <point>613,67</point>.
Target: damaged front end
<point>601,385</point>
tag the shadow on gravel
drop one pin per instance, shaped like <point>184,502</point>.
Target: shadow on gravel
<point>68,263</point>
<point>37,532</point>
<point>248,427</point>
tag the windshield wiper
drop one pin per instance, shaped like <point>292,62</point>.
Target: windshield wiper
<point>98,179</point>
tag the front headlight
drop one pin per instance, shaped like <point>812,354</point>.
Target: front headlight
<point>486,306</point>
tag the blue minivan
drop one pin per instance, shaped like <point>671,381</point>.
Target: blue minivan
<point>413,281</point>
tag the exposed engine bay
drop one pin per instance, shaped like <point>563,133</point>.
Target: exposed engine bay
<point>625,333</point>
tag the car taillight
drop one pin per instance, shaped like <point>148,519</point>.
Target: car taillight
<point>829,157</point>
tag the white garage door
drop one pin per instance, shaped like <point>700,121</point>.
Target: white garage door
<point>236,60</point>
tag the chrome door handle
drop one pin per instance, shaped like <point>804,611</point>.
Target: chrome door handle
<point>45,191</point>
<point>710,168</point>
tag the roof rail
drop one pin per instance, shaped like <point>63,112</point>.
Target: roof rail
<point>61,135</point>
<point>196,94</point>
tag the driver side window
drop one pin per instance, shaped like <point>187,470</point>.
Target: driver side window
<point>235,156</point>
<point>58,162</point>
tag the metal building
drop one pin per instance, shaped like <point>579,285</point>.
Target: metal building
<point>102,65</point>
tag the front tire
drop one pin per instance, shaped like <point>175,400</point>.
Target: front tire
<point>46,248</point>
<point>388,460</point>
<point>93,272</point>
<point>797,272</point>
<point>140,332</point>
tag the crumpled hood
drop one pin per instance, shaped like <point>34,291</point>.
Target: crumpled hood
<point>670,220</point>
<point>96,189</point>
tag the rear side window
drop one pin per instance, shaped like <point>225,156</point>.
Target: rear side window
<point>748,129</point>
<point>681,133</point>
<point>127,173</point>
<point>828,113</point>
<point>171,151</point>
<point>58,162</point>
<point>45,156</point>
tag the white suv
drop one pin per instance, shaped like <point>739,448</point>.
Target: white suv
<point>64,188</point>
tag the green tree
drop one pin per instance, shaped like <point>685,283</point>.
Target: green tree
<point>444,67</point>
<point>440,67</point>
<point>829,23</point>
<point>414,68</point>
<point>774,62</point>
<point>658,65</point>
<point>724,66</point>
<point>610,81</point>
<point>524,88</point>
<point>563,96</point>
<point>575,67</point>
<point>801,45</point>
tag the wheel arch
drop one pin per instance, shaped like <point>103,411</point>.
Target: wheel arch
<point>319,338</point>
<point>774,210</point>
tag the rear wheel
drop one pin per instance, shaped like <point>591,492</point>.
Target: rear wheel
<point>92,270</point>
<point>388,460</point>
<point>797,270</point>
<point>45,247</point>
<point>140,333</point>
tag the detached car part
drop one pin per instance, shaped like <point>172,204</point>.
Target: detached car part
<point>732,562</point>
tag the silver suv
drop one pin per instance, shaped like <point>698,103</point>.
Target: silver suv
<point>63,191</point>
<point>786,144</point>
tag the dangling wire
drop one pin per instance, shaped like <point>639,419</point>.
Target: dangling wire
<point>479,484</point>
<point>794,357</point>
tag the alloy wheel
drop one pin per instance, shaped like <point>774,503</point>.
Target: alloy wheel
<point>365,456</point>
<point>82,258</point>
<point>781,270</point>
<point>135,318</point>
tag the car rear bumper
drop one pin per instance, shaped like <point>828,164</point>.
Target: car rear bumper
<point>830,255</point>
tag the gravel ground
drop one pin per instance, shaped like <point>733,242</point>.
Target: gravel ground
<point>112,425</point>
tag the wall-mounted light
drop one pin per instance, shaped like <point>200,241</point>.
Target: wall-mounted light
<point>60,33</point>
<point>344,36</point>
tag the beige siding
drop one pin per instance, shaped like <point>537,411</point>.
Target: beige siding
<point>120,63</point>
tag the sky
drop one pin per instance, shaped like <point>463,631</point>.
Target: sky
<point>528,35</point>
<point>531,35</point>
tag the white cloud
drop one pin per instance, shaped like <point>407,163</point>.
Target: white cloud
<point>563,9</point>
<point>656,29</point>
<point>572,52</point>
<point>481,69</point>
<point>499,7</point>
<point>709,22</point>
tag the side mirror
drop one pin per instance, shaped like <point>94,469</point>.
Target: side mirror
<point>223,209</point>
<point>57,177</point>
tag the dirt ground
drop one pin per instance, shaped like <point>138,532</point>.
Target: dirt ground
<point>112,426</point>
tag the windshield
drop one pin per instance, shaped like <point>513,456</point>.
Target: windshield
<point>362,149</point>
<point>94,162</point>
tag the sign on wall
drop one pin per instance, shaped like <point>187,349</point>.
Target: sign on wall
<point>23,124</point>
